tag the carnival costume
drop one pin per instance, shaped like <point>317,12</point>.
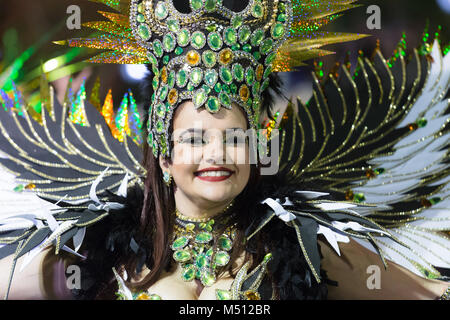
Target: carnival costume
<point>375,140</point>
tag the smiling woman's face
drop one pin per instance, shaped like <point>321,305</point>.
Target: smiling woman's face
<point>210,161</point>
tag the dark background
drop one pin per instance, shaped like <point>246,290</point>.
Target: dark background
<point>23,22</point>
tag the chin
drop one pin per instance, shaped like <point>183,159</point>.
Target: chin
<point>218,194</point>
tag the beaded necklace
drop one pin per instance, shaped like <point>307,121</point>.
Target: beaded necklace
<point>199,249</point>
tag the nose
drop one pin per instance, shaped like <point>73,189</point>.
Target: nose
<point>213,151</point>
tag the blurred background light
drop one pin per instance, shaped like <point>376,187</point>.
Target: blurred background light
<point>444,5</point>
<point>133,72</point>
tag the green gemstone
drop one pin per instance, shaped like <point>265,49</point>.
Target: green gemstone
<point>255,89</point>
<point>182,255</point>
<point>166,60</point>
<point>229,36</point>
<point>226,88</point>
<point>250,76</point>
<point>198,40</point>
<point>359,197</point>
<point>226,75</point>
<point>181,78</point>
<point>379,171</point>
<point>161,11</point>
<point>236,22</point>
<point>162,143</point>
<point>225,243</point>
<point>422,123</point>
<point>435,200</point>
<point>201,261</point>
<point>208,278</point>
<point>155,297</point>
<point>203,237</point>
<point>223,294</point>
<point>238,72</point>
<point>196,76</point>
<point>257,10</point>
<point>178,51</point>
<point>281,17</point>
<point>225,99</point>
<point>144,32</point>
<point>267,72</point>
<point>213,105</point>
<point>174,25</point>
<point>267,257</point>
<point>210,5</point>
<point>278,30</point>
<point>209,58</point>
<point>282,7</point>
<point>140,18</point>
<point>270,58</point>
<point>169,42</point>
<point>222,258</point>
<point>206,88</point>
<point>249,102</point>
<point>163,93</point>
<point>244,34</point>
<point>160,126</point>
<point>255,104</point>
<point>155,148</point>
<point>196,4</point>
<point>218,87</point>
<point>150,138</point>
<point>215,41</point>
<point>233,88</point>
<point>161,110</point>
<point>171,79</point>
<point>190,87</point>
<point>157,48</point>
<point>247,48</point>
<point>211,27</point>
<point>209,253</point>
<point>257,37</point>
<point>266,46</point>
<point>180,243</point>
<point>211,78</point>
<point>236,47</point>
<point>19,188</point>
<point>199,98</point>
<point>188,274</point>
<point>140,7</point>
<point>152,59</point>
<point>183,37</point>
<point>257,55</point>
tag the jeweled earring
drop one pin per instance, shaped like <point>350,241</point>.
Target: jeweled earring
<point>167,178</point>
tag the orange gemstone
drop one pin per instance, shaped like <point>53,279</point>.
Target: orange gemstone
<point>259,72</point>
<point>425,202</point>
<point>349,195</point>
<point>193,58</point>
<point>226,56</point>
<point>143,296</point>
<point>164,75</point>
<point>30,186</point>
<point>413,126</point>
<point>244,93</point>
<point>370,174</point>
<point>173,96</point>
<point>252,295</point>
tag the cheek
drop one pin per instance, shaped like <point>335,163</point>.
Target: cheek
<point>238,155</point>
<point>186,155</point>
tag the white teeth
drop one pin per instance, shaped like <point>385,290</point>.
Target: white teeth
<point>214,173</point>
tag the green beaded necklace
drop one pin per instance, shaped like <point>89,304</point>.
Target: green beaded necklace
<point>197,252</point>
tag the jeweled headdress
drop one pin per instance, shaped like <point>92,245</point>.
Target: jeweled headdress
<point>211,51</point>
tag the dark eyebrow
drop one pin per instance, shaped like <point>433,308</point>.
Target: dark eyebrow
<point>196,130</point>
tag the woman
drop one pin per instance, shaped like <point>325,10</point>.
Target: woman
<point>207,223</point>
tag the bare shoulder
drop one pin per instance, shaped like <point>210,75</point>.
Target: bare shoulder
<point>360,274</point>
<point>43,278</point>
